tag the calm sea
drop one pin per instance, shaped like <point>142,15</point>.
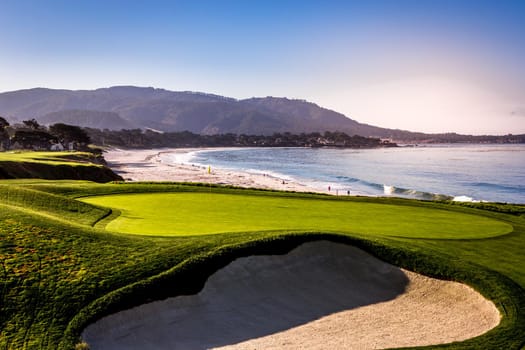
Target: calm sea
<point>464,172</point>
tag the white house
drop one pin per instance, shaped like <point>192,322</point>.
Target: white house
<point>57,147</point>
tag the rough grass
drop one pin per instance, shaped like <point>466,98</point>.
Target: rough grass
<point>54,165</point>
<point>58,273</point>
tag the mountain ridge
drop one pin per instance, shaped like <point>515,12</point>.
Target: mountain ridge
<point>125,107</point>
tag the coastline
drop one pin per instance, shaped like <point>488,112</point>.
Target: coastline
<point>149,165</point>
<point>392,179</point>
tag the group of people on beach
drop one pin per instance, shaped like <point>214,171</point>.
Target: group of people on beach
<point>337,191</point>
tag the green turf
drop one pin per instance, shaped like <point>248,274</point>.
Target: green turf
<point>54,166</point>
<point>50,158</point>
<point>204,213</point>
<point>58,272</point>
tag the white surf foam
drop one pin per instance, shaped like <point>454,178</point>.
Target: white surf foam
<point>183,157</point>
<point>464,199</point>
<point>389,190</point>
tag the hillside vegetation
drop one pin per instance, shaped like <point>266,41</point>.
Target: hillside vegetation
<point>55,165</point>
<point>62,266</point>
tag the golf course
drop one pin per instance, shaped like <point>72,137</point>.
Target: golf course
<point>205,213</point>
<point>73,252</point>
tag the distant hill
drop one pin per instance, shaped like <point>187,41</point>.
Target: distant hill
<point>130,107</point>
<point>88,119</point>
<point>137,107</point>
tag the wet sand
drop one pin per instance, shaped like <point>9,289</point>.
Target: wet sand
<point>150,165</point>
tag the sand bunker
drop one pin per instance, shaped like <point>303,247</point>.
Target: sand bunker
<point>321,295</point>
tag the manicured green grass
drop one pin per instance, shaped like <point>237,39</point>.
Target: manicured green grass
<point>205,213</point>
<point>58,272</point>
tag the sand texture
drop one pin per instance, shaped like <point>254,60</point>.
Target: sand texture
<point>150,165</point>
<point>321,295</point>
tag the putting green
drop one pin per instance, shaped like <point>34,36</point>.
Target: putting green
<point>205,213</point>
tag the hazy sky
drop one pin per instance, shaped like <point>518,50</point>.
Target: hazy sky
<point>422,65</point>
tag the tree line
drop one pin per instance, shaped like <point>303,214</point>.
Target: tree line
<point>138,138</point>
<point>33,136</point>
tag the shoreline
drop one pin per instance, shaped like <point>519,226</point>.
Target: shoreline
<point>149,165</point>
<point>154,165</point>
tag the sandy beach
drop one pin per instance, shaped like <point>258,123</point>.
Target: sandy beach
<point>151,165</point>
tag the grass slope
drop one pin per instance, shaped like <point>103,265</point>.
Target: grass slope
<point>58,272</point>
<point>54,165</point>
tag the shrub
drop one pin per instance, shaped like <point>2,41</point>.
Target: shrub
<point>82,346</point>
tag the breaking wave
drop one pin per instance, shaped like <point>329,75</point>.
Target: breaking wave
<point>390,190</point>
<point>359,186</point>
<point>427,174</point>
<point>464,199</point>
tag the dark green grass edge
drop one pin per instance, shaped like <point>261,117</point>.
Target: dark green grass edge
<point>75,168</point>
<point>189,277</point>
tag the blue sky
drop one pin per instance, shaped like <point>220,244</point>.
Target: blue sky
<point>431,66</point>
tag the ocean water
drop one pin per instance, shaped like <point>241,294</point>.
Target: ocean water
<point>464,172</point>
